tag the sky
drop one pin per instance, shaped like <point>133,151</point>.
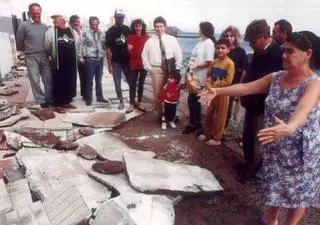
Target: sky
<point>187,14</point>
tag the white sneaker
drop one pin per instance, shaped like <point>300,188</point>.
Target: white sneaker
<point>172,125</point>
<point>164,126</point>
<point>202,137</point>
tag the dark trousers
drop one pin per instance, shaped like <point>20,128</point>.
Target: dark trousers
<point>251,145</point>
<point>231,100</point>
<point>140,76</point>
<point>93,69</point>
<point>82,79</point>
<point>117,73</point>
<point>194,109</point>
<point>170,110</point>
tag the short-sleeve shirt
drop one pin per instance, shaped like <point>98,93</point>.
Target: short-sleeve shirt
<point>202,52</point>
<point>116,39</point>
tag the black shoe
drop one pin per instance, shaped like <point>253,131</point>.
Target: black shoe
<point>189,129</point>
<point>44,105</point>
<point>103,100</point>
<point>88,102</point>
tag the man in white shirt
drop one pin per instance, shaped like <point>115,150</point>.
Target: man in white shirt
<point>156,52</point>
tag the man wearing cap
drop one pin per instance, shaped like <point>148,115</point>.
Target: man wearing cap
<point>267,58</point>
<point>92,52</point>
<point>117,52</point>
<point>30,40</point>
<point>281,30</point>
<point>155,56</point>
<point>60,45</point>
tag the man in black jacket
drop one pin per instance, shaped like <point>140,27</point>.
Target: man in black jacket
<point>267,58</point>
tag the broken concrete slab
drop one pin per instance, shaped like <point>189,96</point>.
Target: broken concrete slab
<point>108,167</point>
<point>4,106</point>
<point>44,114</point>
<point>40,137</point>
<point>66,207</point>
<point>8,91</point>
<point>19,193</point>
<point>87,152</point>
<point>32,214</point>
<point>75,134</point>
<point>135,209</point>
<point>6,205</point>
<point>105,119</point>
<point>55,124</point>
<point>25,113</point>
<point>97,119</point>
<point>15,140</point>
<point>162,176</point>
<point>110,147</point>
<point>119,182</point>
<point>12,175</point>
<point>6,113</point>
<point>49,170</point>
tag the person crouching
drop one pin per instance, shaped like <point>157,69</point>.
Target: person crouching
<point>169,95</point>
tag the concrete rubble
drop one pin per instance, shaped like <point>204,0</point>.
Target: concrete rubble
<point>19,193</point>
<point>32,214</point>
<point>96,119</point>
<point>110,147</point>
<point>6,205</point>
<point>135,209</point>
<point>48,170</point>
<point>24,113</point>
<point>66,207</point>
<point>159,175</point>
<point>46,185</point>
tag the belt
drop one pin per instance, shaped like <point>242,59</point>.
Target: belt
<point>156,66</point>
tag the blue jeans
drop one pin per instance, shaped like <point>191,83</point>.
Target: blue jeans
<point>93,69</point>
<point>117,72</point>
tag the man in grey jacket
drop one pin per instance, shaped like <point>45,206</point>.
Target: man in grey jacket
<point>92,56</point>
<point>30,40</point>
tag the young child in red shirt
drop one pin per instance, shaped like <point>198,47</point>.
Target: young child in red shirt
<point>170,94</point>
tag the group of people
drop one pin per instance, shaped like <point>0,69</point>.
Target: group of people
<point>278,88</point>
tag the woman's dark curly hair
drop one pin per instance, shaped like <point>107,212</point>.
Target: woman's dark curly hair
<point>138,21</point>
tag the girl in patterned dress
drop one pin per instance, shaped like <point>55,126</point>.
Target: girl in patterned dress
<point>291,139</point>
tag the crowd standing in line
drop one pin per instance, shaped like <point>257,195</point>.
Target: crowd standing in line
<point>278,88</point>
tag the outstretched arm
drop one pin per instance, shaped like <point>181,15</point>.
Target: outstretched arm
<point>309,99</point>
<point>256,87</point>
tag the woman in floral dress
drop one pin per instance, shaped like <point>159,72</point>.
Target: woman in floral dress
<point>291,141</point>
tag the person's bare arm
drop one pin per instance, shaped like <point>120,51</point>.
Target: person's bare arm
<point>256,87</point>
<point>309,99</point>
<point>109,56</point>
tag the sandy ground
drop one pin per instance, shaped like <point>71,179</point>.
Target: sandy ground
<point>239,203</point>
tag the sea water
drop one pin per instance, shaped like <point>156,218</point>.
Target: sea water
<point>187,44</point>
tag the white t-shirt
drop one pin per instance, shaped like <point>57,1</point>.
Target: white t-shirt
<point>202,52</point>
